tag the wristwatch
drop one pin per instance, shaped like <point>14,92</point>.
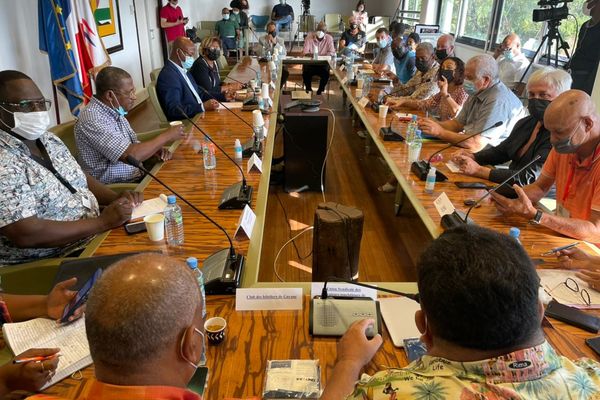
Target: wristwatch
<point>537,218</point>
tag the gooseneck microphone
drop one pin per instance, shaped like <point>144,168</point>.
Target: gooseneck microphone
<point>223,269</point>
<point>251,146</point>
<point>252,103</point>
<point>324,295</point>
<point>388,134</point>
<point>421,168</point>
<point>236,196</point>
<point>456,219</point>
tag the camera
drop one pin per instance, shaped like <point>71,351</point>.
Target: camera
<point>552,12</point>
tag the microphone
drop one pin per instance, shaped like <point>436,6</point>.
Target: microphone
<point>223,269</point>
<point>244,85</point>
<point>421,168</point>
<point>456,219</point>
<point>251,146</point>
<point>388,134</point>
<point>411,296</point>
<point>236,196</point>
<point>252,104</point>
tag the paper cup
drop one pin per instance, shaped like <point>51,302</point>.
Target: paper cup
<point>358,93</point>
<point>215,330</point>
<point>383,110</point>
<point>253,83</point>
<point>155,225</point>
<point>265,91</point>
<point>257,118</point>
<point>359,83</point>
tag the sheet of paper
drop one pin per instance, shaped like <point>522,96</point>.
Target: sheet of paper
<point>453,167</point>
<point>553,281</point>
<point>443,205</point>
<point>268,299</point>
<point>151,206</point>
<point>399,316</point>
<point>363,102</point>
<point>231,105</point>
<point>340,289</point>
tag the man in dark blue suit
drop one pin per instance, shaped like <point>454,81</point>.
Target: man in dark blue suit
<point>176,88</point>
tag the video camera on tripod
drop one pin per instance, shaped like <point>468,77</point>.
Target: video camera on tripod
<point>552,12</point>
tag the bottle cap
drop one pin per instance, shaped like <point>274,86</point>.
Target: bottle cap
<point>432,170</point>
<point>237,143</point>
<point>514,232</point>
<point>414,117</point>
<point>192,262</point>
<point>171,199</point>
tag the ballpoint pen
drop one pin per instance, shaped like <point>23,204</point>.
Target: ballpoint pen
<point>35,359</point>
<point>557,249</point>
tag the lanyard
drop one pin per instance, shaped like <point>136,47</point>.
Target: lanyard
<point>213,73</point>
<point>572,173</point>
<point>46,162</point>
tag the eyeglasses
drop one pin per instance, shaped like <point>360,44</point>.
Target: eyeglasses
<point>573,287</point>
<point>30,105</point>
<point>129,94</point>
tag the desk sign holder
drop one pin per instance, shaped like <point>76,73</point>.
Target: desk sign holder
<point>245,224</point>
<point>254,164</point>
<point>339,289</point>
<point>266,299</point>
<point>363,102</point>
<point>443,205</point>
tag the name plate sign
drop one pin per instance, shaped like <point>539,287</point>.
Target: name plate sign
<point>262,299</point>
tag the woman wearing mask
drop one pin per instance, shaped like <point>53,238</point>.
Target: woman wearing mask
<point>451,97</point>
<point>360,15</point>
<point>528,139</point>
<point>206,71</point>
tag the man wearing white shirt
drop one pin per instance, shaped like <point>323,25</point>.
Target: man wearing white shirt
<point>512,63</point>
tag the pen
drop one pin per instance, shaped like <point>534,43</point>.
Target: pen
<point>557,249</point>
<point>35,359</point>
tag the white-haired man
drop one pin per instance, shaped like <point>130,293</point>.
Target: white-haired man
<point>490,101</point>
<point>528,139</point>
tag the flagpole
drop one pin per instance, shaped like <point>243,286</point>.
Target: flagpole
<point>56,110</point>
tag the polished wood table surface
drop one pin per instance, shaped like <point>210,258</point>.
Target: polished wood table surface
<point>236,367</point>
<point>535,239</point>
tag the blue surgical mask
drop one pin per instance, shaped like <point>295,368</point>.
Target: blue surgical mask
<point>566,146</point>
<point>119,109</point>
<point>469,87</point>
<point>225,17</point>
<point>382,43</point>
<point>508,54</point>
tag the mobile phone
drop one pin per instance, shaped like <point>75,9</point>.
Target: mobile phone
<point>80,298</point>
<point>594,344</point>
<point>135,227</point>
<point>573,316</point>
<point>198,382</point>
<point>507,191</point>
<point>471,185</point>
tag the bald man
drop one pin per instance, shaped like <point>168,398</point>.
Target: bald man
<point>323,42</point>
<point>145,330</point>
<point>512,63</point>
<point>444,47</point>
<point>177,91</point>
<point>573,166</point>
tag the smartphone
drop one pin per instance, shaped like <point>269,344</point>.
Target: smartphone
<point>594,344</point>
<point>471,185</point>
<point>199,380</point>
<point>573,316</point>
<point>507,191</point>
<point>80,298</point>
<point>135,227</point>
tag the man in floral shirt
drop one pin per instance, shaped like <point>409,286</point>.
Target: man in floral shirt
<point>480,320</point>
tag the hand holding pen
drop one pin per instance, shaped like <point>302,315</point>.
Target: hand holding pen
<point>30,370</point>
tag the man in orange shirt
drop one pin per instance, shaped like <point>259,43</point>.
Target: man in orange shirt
<point>146,339</point>
<point>573,165</point>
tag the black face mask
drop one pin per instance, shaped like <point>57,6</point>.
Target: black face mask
<point>399,52</point>
<point>274,33</point>
<point>441,54</point>
<point>353,27</point>
<point>422,66</point>
<point>448,74</point>
<point>537,107</point>
<point>213,54</point>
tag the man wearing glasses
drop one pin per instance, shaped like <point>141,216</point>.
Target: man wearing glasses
<point>48,206</point>
<point>105,138</point>
<point>573,165</point>
<point>177,92</point>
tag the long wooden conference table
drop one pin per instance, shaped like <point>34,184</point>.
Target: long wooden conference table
<point>253,337</point>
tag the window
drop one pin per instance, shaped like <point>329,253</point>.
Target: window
<point>477,16</point>
<point>449,13</point>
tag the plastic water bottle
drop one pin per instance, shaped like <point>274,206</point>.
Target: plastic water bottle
<point>515,233</point>
<point>173,222</point>
<point>411,129</point>
<point>414,147</point>
<point>192,262</point>
<point>237,149</point>
<point>430,181</point>
<point>273,75</point>
<point>315,52</point>
<point>261,103</point>
<point>208,155</point>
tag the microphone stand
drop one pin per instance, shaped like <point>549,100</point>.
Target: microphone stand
<point>251,146</point>
<point>224,263</point>
<point>456,219</point>
<point>388,134</point>
<point>236,196</point>
<point>421,168</point>
<point>252,104</point>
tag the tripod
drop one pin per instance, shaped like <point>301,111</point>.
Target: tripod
<point>553,35</point>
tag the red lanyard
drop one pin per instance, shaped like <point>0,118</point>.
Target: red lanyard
<point>572,172</point>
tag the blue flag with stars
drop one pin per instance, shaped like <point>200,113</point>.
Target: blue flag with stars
<point>55,40</point>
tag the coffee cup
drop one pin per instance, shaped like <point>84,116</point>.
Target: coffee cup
<point>215,330</point>
<point>155,225</point>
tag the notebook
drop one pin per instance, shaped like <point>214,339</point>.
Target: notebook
<point>300,95</point>
<point>399,316</point>
<point>47,333</point>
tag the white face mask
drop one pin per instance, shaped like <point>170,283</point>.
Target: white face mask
<point>320,34</point>
<point>225,17</point>
<point>31,125</point>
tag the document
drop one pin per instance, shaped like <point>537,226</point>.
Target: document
<point>563,286</point>
<point>399,316</point>
<point>46,333</point>
<point>152,206</point>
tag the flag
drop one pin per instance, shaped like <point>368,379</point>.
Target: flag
<point>67,32</point>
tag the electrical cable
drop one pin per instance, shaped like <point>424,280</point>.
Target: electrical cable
<point>327,153</point>
<point>310,228</point>
<point>290,228</point>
